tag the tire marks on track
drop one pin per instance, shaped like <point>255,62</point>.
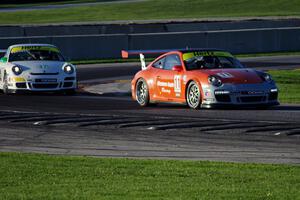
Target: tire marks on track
<point>198,125</point>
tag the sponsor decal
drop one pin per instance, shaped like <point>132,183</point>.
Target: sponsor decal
<point>18,79</point>
<point>176,85</point>
<point>189,55</point>
<point>150,81</point>
<point>165,84</point>
<point>26,48</point>
<point>184,79</point>
<point>207,93</point>
<point>164,90</point>
<point>255,92</point>
<point>44,67</point>
<point>49,80</point>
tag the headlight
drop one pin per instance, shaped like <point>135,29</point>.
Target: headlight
<point>214,81</point>
<point>68,69</point>
<point>267,77</point>
<point>17,70</point>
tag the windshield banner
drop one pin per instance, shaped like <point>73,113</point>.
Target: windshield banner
<point>26,48</point>
<point>189,55</point>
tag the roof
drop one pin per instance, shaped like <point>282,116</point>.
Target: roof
<point>200,49</point>
<point>126,53</point>
<point>18,45</point>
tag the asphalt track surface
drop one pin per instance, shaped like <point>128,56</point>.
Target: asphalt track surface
<point>115,126</point>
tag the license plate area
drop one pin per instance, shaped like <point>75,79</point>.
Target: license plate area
<point>46,80</point>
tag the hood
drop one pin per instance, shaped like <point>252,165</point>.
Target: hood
<point>235,76</point>
<point>41,66</point>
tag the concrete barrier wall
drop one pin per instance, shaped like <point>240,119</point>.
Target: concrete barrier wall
<point>242,41</point>
<point>91,47</point>
<point>131,28</point>
<point>109,46</point>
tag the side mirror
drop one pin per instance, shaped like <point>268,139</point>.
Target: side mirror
<point>4,59</point>
<point>177,68</point>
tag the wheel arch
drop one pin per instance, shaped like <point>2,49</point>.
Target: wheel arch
<point>188,83</point>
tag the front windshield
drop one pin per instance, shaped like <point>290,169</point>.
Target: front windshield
<point>33,55</point>
<point>212,62</point>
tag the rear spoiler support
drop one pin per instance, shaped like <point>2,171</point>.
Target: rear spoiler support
<point>143,62</point>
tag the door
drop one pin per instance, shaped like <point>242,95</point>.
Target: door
<point>168,81</point>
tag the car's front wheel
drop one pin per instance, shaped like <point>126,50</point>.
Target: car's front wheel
<point>5,84</point>
<point>193,95</point>
<point>70,92</point>
<point>142,93</point>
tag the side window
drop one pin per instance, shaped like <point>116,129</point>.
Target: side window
<point>225,62</point>
<point>160,63</point>
<point>171,61</point>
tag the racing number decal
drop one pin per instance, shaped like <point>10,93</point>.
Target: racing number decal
<point>177,84</point>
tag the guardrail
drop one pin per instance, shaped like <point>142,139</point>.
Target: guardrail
<point>99,46</point>
<point>140,27</point>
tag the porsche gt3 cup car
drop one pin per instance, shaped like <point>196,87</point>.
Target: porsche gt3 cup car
<point>36,67</point>
<point>200,78</point>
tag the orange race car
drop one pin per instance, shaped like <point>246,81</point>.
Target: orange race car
<point>200,78</point>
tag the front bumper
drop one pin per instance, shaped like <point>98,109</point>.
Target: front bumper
<point>264,94</point>
<point>40,84</point>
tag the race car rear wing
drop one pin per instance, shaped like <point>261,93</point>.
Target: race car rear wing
<point>2,52</point>
<point>141,53</point>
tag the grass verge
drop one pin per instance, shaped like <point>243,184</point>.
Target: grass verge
<point>287,53</point>
<point>288,82</point>
<point>34,176</point>
<point>157,9</point>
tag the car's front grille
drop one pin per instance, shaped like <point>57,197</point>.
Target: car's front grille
<point>273,96</point>
<point>252,99</point>
<point>48,80</point>
<point>21,85</point>
<point>223,97</point>
<point>69,78</point>
<point>68,84</point>
<point>55,73</point>
<point>251,92</point>
<point>45,86</point>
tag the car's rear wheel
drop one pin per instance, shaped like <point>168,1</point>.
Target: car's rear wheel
<point>193,95</point>
<point>142,93</point>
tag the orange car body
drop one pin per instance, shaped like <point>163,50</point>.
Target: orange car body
<point>168,78</point>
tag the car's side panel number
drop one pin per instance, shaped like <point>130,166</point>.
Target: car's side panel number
<point>177,83</point>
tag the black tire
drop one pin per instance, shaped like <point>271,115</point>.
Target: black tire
<point>193,95</point>
<point>142,93</point>
<point>5,84</point>
<point>70,92</point>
